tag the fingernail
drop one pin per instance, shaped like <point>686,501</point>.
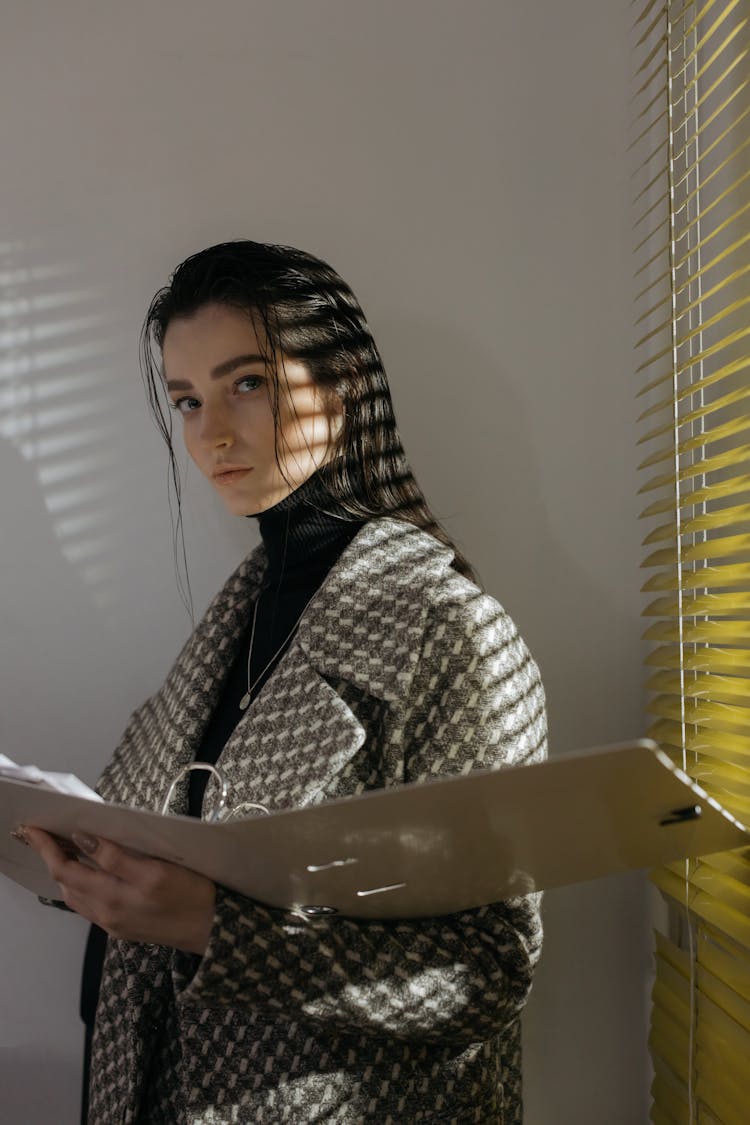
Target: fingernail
<point>20,835</point>
<point>87,844</point>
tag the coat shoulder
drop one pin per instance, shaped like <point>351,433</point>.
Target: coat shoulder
<point>457,605</point>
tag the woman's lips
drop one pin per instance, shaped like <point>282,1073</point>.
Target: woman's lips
<point>232,476</point>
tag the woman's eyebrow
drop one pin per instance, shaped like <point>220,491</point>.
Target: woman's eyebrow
<point>228,366</point>
<point>218,372</point>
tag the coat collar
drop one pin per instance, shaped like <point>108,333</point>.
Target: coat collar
<point>364,625</point>
<point>366,621</point>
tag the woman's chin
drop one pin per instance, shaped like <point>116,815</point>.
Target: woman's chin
<point>255,501</point>
<point>252,505</point>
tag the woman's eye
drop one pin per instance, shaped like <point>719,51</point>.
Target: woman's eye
<point>185,405</point>
<point>243,384</point>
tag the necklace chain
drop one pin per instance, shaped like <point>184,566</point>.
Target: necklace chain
<point>245,701</point>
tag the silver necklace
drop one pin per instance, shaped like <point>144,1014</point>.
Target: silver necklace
<point>245,701</point>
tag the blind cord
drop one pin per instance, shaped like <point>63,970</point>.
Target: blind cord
<point>678,511</point>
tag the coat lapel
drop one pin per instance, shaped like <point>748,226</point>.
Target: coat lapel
<point>296,736</point>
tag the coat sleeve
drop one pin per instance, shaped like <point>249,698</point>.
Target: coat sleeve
<point>477,702</point>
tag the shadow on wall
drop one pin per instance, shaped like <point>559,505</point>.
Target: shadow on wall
<point>62,472</point>
<point>55,340</point>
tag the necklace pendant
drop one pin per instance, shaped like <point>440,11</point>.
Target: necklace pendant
<point>245,701</point>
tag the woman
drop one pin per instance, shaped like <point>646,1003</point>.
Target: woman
<point>351,651</point>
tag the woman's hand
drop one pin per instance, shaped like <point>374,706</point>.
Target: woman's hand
<point>129,896</point>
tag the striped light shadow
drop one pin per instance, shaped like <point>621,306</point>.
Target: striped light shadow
<point>56,344</point>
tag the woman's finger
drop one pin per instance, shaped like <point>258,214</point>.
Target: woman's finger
<point>113,859</point>
<point>49,851</point>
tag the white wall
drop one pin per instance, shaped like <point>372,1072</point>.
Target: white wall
<point>463,165</point>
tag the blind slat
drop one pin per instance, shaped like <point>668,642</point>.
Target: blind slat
<point>736,575</point>
<point>700,357</point>
<point>706,907</point>
<point>717,490</point>
<point>700,687</point>
<point>725,962</point>
<point>701,412</point>
<point>728,746</point>
<point>731,604</point>
<point>708,34</point>
<point>710,149</point>
<point>708,121</point>
<point>709,435</point>
<point>702,632</point>
<point>703,659</point>
<point>708,521</point>
<point>721,547</point>
<point>711,716</point>
<point>684,339</point>
<point>684,122</point>
<point>709,465</point>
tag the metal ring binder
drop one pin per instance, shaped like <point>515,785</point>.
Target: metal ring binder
<point>219,811</point>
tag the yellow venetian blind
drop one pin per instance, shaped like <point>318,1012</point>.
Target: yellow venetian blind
<point>692,249</point>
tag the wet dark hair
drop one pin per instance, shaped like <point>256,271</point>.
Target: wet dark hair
<point>308,313</point>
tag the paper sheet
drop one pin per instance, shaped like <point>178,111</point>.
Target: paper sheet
<point>46,779</point>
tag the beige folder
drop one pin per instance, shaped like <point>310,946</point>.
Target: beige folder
<point>423,849</point>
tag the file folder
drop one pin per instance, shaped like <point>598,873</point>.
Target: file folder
<point>429,848</point>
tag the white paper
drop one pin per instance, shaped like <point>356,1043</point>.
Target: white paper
<point>47,779</point>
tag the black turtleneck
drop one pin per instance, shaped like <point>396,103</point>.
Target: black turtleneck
<point>303,536</point>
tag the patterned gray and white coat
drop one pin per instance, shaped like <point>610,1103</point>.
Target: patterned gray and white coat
<point>401,670</point>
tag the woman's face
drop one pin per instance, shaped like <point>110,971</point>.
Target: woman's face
<point>217,381</point>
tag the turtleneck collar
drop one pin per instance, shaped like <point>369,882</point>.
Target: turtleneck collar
<point>305,531</point>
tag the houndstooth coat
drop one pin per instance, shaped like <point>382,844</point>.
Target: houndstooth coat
<point>401,670</point>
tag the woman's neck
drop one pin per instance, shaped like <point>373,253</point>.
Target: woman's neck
<point>306,529</point>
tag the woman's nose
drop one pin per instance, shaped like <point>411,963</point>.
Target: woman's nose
<point>216,428</point>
